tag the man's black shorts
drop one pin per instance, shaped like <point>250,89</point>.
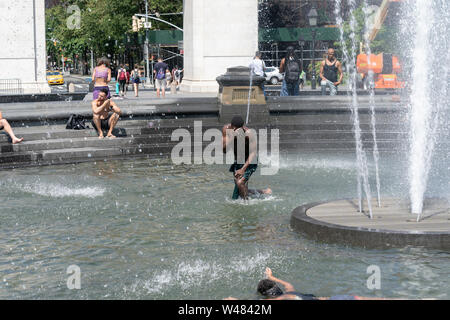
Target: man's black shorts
<point>104,123</point>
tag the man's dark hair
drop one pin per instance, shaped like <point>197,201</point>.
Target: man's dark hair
<point>258,54</point>
<point>159,58</point>
<point>105,91</point>
<point>290,52</point>
<point>270,288</point>
<point>237,121</point>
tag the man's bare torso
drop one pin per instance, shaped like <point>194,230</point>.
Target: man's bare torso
<point>103,114</point>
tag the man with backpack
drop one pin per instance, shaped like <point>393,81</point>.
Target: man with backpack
<point>292,69</point>
<point>160,70</point>
<point>122,79</point>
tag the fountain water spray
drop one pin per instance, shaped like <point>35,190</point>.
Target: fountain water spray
<point>428,91</point>
<point>372,104</point>
<point>249,94</point>
<point>421,108</point>
<point>351,65</point>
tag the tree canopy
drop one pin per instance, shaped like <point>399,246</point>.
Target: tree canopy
<point>386,40</point>
<point>103,25</point>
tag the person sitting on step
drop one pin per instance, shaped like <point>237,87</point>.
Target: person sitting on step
<point>5,125</point>
<point>102,119</point>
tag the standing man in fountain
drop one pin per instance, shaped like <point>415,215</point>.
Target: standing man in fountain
<point>329,69</point>
<point>239,138</point>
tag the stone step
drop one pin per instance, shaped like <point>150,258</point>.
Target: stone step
<point>67,134</point>
<point>58,132</point>
<point>79,153</point>
<point>309,137</point>
<point>17,157</point>
<point>84,142</point>
<point>295,123</point>
<point>68,155</point>
<point>300,136</point>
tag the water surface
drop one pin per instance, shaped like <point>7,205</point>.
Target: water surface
<point>146,229</point>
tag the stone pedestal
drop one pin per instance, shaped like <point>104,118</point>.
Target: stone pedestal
<point>235,94</point>
<point>23,49</point>
<point>217,34</point>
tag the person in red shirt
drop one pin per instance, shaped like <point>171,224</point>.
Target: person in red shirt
<point>128,79</point>
<point>122,78</point>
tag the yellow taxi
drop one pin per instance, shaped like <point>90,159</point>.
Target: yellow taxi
<point>55,77</point>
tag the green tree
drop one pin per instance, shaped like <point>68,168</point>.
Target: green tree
<point>359,17</point>
<point>384,42</point>
<point>104,25</point>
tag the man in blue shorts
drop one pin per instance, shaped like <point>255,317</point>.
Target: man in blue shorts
<point>235,135</point>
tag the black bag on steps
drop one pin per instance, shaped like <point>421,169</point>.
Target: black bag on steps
<point>76,122</point>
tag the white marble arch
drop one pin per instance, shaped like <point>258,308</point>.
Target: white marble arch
<point>218,34</point>
<point>22,44</point>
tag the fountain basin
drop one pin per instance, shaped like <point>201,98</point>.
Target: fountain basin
<point>392,225</point>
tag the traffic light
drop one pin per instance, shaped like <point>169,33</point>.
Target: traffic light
<point>135,24</point>
<point>138,24</point>
<point>141,23</point>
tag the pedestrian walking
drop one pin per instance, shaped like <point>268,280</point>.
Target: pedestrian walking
<point>160,71</point>
<point>302,79</point>
<point>101,76</point>
<point>292,69</point>
<point>135,80</point>
<point>128,78</point>
<point>122,79</point>
<point>177,76</point>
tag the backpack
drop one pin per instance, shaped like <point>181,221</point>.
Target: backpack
<point>76,122</point>
<point>122,74</point>
<point>293,71</point>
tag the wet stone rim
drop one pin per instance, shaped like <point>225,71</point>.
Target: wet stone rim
<point>362,237</point>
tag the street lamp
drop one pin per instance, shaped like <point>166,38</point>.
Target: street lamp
<point>312,17</point>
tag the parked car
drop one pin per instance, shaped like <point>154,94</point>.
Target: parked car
<point>273,75</point>
<point>55,77</point>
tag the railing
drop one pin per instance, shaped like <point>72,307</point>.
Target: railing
<point>10,86</point>
<point>273,58</point>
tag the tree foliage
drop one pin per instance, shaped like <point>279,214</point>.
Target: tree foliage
<point>104,24</point>
<point>384,42</point>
